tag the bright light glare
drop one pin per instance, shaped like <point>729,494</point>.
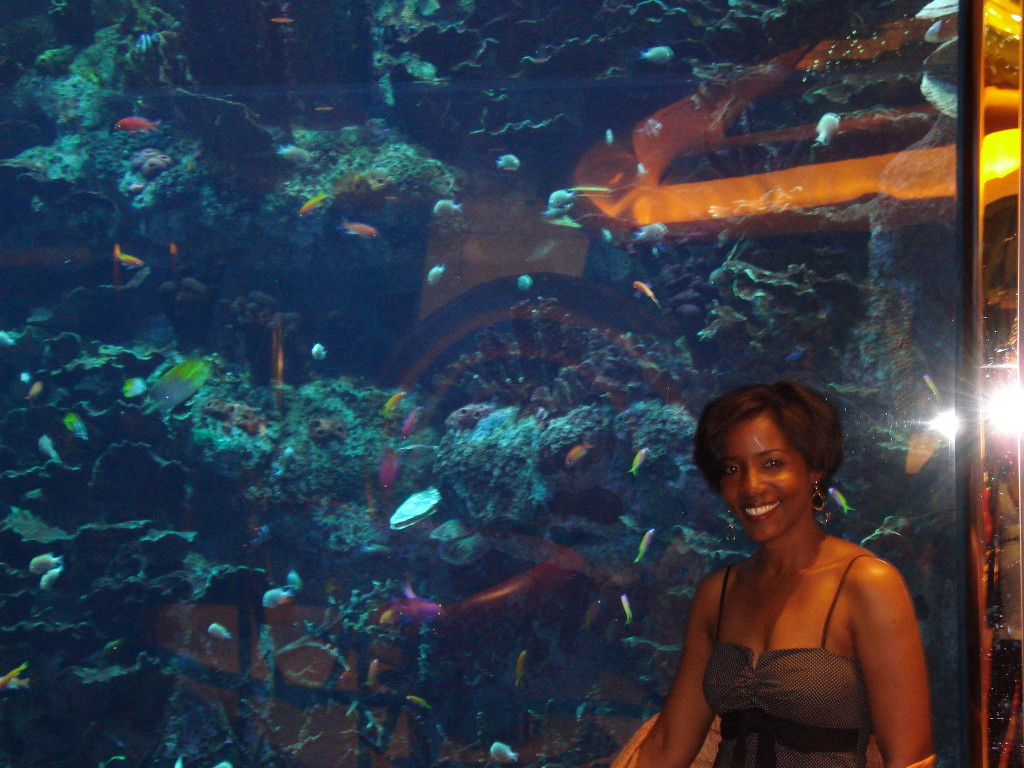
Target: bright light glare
<point>1006,410</point>
<point>945,424</point>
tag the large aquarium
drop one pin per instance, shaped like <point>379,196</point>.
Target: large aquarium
<point>351,351</point>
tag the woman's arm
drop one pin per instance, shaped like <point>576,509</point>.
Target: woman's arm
<point>676,739</point>
<point>889,650</point>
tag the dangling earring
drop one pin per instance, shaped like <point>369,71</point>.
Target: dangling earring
<point>818,502</point>
<point>730,535</point>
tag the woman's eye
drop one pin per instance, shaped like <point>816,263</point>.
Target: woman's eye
<point>729,469</point>
<point>773,463</point>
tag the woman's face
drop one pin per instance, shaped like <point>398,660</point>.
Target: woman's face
<point>765,481</point>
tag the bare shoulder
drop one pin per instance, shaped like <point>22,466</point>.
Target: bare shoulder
<point>705,601</point>
<point>872,574</point>
<point>878,592</point>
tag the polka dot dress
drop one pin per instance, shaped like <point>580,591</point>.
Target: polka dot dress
<point>806,706</point>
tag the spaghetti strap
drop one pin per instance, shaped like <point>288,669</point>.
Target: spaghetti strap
<point>835,599</point>
<point>721,601</point>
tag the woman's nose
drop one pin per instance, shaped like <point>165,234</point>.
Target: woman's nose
<point>750,480</point>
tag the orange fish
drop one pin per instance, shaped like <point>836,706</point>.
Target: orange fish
<point>131,262</point>
<point>312,204</point>
<point>645,289</point>
<point>136,124</point>
<point>576,453</point>
<point>282,19</point>
<point>34,391</point>
<point>173,248</point>
<point>363,230</point>
<point>520,668</point>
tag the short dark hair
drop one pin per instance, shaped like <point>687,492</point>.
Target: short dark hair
<point>809,422</point>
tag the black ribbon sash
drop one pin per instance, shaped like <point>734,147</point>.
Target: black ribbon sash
<point>770,730</point>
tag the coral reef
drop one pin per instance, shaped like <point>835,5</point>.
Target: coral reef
<point>150,162</point>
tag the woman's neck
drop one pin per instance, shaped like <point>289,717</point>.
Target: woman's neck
<point>792,553</point>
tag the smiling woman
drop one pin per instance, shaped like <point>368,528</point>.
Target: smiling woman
<point>810,646</point>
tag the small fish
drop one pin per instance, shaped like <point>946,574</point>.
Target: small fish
<point>638,459</point>
<point>312,204</point>
<point>293,580</point>
<point>46,582</point>
<point>524,282</point>
<point>561,200</point>
<point>178,384</point>
<point>360,230</point>
<point>46,448</point>
<point>392,404</point>
<point>278,596</point>
<point>836,494</point>
<point>297,156</point>
<point>645,542</point>
<point>6,339</point>
<point>113,648</point>
<point>650,233</point>
<point>12,679</point>
<point>261,536</point>
<point>319,352</point>
<point>75,425</point>
<point>508,163</point>
<point>932,387</point>
<point>626,607</point>
<point>372,672</point>
<point>409,424</point>
<point>388,470</point>
<point>219,631</point>
<point>419,701</point>
<point>659,54</point>
<point>133,387</point>
<point>34,391</point>
<point>520,668</point>
<point>609,137</point>
<point>645,289</point>
<point>502,753</point>
<point>796,354</point>
<point>576,454</point>
<point>131,262</point>
<point>447,208</point>
<point>592,610</point>
<point>826,129</point>
<point>282,19</point>
<point>435,273</point>
<point>134,124</point>
<point>40,564</point>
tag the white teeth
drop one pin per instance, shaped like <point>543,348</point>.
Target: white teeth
<point>764,509</point>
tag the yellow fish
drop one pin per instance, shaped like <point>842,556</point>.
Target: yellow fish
<point>392,404</point>
<point>627,608</point>
<point>638,460</point>
<point>645,542</point>
<point>179,384</point>
<point>11,679</point>
<point>312,204</point>
<point>133,387</point>
<point>76,426</point>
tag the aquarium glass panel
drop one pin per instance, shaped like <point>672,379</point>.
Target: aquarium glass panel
<point>351,353</point>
